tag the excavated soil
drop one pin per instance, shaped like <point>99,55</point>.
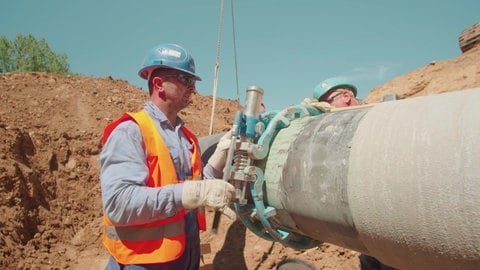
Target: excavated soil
<point>50,128</point>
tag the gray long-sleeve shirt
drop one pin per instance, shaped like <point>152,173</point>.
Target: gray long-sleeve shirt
<point>123,174</point>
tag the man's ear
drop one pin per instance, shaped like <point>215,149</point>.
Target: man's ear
<point>350,95</point>
<point>347,98</point>
<point>157,87</point>
<point>157,82</point>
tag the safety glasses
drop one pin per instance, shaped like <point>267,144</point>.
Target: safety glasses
<point>185,79</point>
<point>331,98</point>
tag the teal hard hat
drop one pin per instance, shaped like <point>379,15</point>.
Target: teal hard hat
<point>330,84</point>
<point>168,56</point>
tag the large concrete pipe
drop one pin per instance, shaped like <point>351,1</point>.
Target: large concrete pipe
<point>399,180</point>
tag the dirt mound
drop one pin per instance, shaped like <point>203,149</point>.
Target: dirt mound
<point>436,77</point>
<point>50,128</point>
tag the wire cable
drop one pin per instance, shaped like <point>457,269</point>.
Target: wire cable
<point>235,52</point>
<point>216,67</point>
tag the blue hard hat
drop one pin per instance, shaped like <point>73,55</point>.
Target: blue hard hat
<point>168,56</point>
<point>330,84</point>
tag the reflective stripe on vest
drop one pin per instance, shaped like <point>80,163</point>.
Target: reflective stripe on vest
<point>145,234</point>
<point>162,240</point>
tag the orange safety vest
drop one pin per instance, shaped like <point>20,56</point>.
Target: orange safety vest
<point>163,240</point>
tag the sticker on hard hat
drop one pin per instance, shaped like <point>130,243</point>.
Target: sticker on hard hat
<point>324,85</point>
<point>170,52</point>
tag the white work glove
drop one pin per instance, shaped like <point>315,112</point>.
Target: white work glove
<point>219,157</point>
<point>214,193</point>
<point>306,101</point>
<point>320,105</point>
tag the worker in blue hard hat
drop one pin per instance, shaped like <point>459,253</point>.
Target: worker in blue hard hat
<point>336,91</point>
<point>339,92</point>
<point>151,173</point>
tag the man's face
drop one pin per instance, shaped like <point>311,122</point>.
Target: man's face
<point>178,88</point>
<point>340,97</point>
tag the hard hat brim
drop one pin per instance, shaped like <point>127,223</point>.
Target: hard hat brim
<point>146,71</point>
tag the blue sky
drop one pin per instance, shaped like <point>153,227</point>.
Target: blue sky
<point>285,47</point>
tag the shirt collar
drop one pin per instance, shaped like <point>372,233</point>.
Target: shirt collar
<point>158,115</point>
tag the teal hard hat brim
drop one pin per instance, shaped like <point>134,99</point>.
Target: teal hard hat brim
<point>319,89</point>
<point>331,84</point>
<point>144,72</point>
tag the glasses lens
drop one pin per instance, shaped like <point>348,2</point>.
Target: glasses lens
<point>186,80</point>
<point>331,98</point>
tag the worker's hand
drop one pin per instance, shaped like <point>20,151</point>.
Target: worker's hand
<point>320,105</point>
<point>306,101</point>
<point>219,157</point>
<point>214,193</point>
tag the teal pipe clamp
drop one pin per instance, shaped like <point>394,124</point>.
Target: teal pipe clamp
<point>256,216</point>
